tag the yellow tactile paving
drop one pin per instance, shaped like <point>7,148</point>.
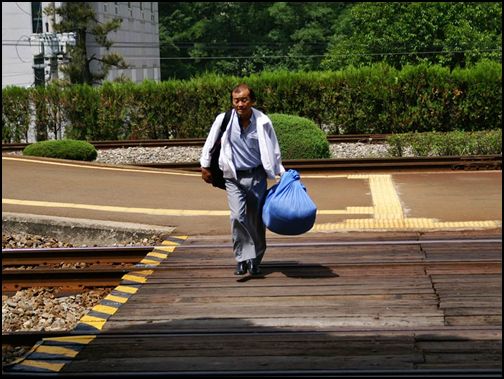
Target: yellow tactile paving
<point>405,224</point>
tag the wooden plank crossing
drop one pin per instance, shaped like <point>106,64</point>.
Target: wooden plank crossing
<point>315,308</point>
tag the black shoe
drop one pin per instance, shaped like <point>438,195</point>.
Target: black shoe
<point>241,268</point>
<point>253,267</point>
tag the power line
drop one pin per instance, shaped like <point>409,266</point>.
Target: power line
<point>155,45</point>
<point>200,44</point>
<point>312,56</point>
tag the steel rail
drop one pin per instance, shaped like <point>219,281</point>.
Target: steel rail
<point>82,249</point>
<point>68,279</point>
<point>111,144</point>
<point>95,255</point>
<point>449,372</point>
<point>352,243</point>
<point>139,250</point>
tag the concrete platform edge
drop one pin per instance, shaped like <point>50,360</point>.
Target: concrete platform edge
<point>80,231</point>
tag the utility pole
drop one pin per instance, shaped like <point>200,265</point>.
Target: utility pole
<point>53,47</point>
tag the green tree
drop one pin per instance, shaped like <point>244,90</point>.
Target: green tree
<point>453,34</point>
<point>79,17</point>
<point>241,38</point>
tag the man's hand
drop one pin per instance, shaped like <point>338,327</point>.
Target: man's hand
<point>206,174</point>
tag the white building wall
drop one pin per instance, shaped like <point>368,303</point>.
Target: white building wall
<point>17,58</point>
<point>137,40</point>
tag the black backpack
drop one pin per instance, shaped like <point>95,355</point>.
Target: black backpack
<point>217,174</point>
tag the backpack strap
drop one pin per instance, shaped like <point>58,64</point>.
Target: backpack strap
<point>223,127</point>
<point>225,121</point>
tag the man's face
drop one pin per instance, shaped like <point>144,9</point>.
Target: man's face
<point>242,103</point>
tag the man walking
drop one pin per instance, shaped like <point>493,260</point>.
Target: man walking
<point>249,155</point>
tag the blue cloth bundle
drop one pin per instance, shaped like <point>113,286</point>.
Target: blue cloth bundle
<point>288,209</point>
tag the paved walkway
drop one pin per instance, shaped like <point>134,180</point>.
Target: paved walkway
<point>395,201</point>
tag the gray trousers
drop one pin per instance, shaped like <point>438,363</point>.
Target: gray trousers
<point>245,199</point>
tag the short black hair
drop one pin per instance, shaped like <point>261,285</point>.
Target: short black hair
<point>241,87</point>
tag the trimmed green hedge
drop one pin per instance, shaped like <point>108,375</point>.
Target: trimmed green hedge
<point>446,144</point>
<point>369,100</point>
<point>63,149</point>
<point>299,138</point>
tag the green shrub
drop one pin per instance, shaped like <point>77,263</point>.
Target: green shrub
<point>63,149</point>
<point>299,137</point>
<point>365,100</point>
<point>446,144</point>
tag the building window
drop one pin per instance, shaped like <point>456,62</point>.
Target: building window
<point>36,9</point>
<point>105,8</point>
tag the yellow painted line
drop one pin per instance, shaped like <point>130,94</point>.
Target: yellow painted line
<point>149,262</point>
<point>348,210</point>
<point>107,208</point>
<point>43,364</point>
<point>100,167</point>
<point>169,249</point>
<point>324,176</point>
<point>83,340</point>
<point>157,255</point>
<point>126,289</point>
<point>105,309</point>
<point>181,237</point>
<point>95,322</point>
<point>117,299</point>
<point>159,212</point>
<point>133,278</point>
<point>57,350</point>
<point>169,243</point>
<point>144,272</point>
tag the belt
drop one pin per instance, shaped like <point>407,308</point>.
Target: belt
<point>248,171</point>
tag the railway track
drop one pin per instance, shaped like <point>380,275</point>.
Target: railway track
<point>113,144</point>
<point>92,255</point>
<point>477,162</point>
<point>103,270</point>
<point>96,267</point>
<point>192,308</point>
